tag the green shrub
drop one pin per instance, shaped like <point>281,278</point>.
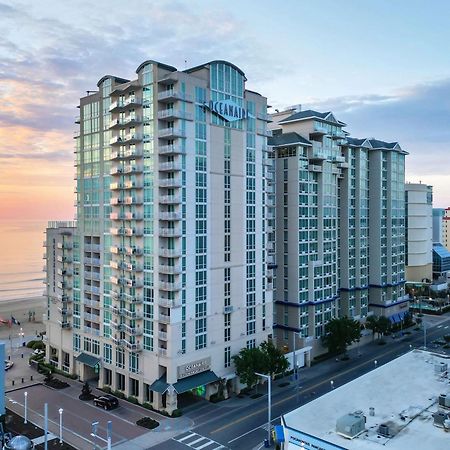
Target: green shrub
<point>215,398</point>
<point>147,405</point>
<point>38,345</point>
<point>447,337</point>
<point>133,400</point>
<point>177,413</point>
<point>31,343</point>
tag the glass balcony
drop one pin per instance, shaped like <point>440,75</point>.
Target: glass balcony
<point>172,149</point>
<point>171,95</point>
<point>169,166</point>
<point>169,216</point>
<point>170,232</point>
<point>170,182</point>
<point>171,133</point>
<point>171,114</point>
<point>170,270</point>
<point>170,252</point>
<point>169,286</point>
<point>169,199</point>
<point>164,318</point>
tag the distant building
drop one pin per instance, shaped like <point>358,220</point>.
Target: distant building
<point>446,228</point>
<point>385,408</point>
<point>441,263</point>
<point>438,215</point>
<point>419,236</point>
<point>340,226</point>
<point>2,379</point>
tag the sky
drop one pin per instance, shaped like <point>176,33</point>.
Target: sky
<point>382,67</point>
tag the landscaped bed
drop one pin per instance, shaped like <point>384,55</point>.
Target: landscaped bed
<point>147,422</point>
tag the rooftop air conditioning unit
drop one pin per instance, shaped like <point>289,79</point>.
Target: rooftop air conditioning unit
<point>351,425</point>
<point>444,401</point>
<point>439,418</point>
<point>383,430</point>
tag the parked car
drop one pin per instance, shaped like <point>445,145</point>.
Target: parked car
<point>106,402</point>
<point>8,364</point>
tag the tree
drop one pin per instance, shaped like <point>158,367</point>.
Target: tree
<point>275,359</point>
<point>340,333</point>
<point>384,325</point>
<point>247,362</point>
<point>372,324</point>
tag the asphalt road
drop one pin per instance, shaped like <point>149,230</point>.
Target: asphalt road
<point>242,423</point>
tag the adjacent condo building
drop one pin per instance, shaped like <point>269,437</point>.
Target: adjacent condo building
<point>340,225</point>
<point>419,232</point>
<point>169,268</point>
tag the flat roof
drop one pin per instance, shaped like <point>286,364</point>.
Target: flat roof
<point>403,393</point>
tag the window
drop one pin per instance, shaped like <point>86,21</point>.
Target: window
<point>227,356</point>
<point>107,353</point>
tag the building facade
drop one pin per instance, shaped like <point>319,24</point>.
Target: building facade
<point>174,250</point>
<point>446,228</point>
<point>419,234</point>
<point>334,216</point>
<point>438,214</point>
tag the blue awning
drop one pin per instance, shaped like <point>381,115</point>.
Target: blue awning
<point>278,433</point>
<point>89,360</point>
<point>394,318</point>
<point>160,385</point>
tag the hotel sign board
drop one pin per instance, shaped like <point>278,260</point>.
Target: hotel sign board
<point>307,442</point>
<point>228,110</point>
<point>187,370</point>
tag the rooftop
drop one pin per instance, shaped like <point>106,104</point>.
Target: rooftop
<point>404,402</point>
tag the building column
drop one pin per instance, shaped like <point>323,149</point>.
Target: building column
<point>157,401</point>
<point>171,400</point>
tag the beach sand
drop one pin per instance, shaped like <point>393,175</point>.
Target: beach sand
<point>19,309</point>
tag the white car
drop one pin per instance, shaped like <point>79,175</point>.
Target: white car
<point>8,364</point>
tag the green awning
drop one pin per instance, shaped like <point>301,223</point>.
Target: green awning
<point>89,360</point>
<point>159,385</point>
<point>199,379</point>
<point>185,384</point>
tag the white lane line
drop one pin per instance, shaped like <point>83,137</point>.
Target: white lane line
<point>187,437</point>
<point>205,445</point>
<point>197,440</point>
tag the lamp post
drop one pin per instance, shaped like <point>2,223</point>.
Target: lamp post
<point>25,394</point>
<point>269,399</point>
<point>60,410</point>
<point>424,336</point>
<point>375,362</point>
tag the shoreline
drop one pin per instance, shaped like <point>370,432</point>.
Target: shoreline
<point>20,309</point>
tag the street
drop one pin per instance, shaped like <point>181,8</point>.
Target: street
<point>242,423</point>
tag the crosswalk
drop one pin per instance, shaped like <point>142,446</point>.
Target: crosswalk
<point>198,442</point>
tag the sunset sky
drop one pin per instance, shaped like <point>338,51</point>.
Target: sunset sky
<point>383,67</point>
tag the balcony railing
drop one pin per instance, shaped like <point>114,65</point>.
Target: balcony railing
<point>169,166</point>
<point>164,318</point>
<point>172,95</point>
<point>171,149</point>
<point>169,286</point>
<point>170,252</point>
<point>170,182</point>
<point>170,270</point>
<point>170,232</point>
<point>170,199</point>
<point>170,216</point>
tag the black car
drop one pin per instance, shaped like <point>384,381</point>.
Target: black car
<point>106,402</point>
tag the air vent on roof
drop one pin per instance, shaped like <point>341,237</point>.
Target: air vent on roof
<point>351,425</point>
<point>439,418</point>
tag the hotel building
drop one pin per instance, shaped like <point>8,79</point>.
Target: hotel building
<point>446,228</point>
<point>419,233</point>
<point>172,257</point>
<point>334,215</point>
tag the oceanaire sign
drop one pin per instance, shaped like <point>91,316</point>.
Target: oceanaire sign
<point>228,110</point>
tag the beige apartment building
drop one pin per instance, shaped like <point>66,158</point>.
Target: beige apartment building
<point>173,254</point>
<point>340,226</point>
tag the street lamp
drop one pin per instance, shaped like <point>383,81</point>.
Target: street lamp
<point>60,410</point>
<point>332,384</point>
<point>375,362</point>
<point>25,394</point>
<point>424,336</point>
<point>269,400</point>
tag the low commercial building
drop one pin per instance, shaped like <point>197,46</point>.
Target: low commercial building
<point>386,408</point>
<point>438,214</point>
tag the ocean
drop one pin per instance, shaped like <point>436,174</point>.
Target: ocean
<point>21,262</point>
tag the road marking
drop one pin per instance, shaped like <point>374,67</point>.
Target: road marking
<point>204,445</point>
<point>326,381</point>
<point>199,438</point>
<point>187,437</point>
